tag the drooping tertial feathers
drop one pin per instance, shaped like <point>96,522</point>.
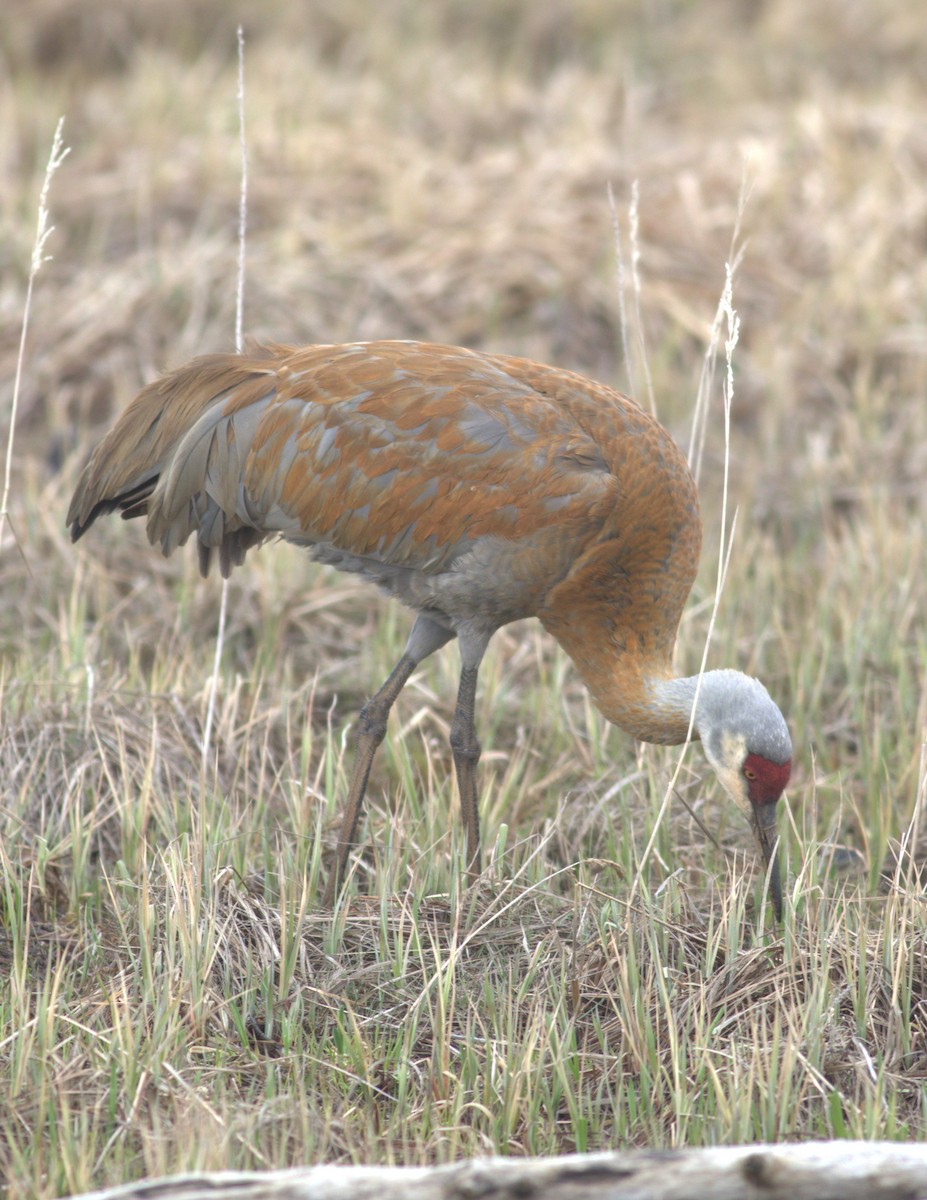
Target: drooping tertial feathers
<point>477,489</point>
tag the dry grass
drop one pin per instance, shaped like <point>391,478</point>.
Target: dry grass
<point>173,996</point>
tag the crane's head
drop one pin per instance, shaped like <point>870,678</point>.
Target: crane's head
<point>747,742</point>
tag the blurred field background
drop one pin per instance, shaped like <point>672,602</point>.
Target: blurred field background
<point>173,998</point>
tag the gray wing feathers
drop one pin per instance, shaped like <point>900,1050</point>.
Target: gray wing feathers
<point>203,489</point>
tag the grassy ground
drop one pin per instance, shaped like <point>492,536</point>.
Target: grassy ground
<point>173,997</point>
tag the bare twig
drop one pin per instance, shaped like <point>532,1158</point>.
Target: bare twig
<point>42,233</point>
<point>621,284</point>
<point>243,197</point>
<point>725,311</point>
<point>634,236</point>
<point>239,345</point>
<point>707,376</point>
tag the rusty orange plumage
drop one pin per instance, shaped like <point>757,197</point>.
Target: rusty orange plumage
<point>478,489</point>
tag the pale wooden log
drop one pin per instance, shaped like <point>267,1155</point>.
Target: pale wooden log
<point>810,1171</point>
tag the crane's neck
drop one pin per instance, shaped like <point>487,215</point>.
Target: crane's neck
<point>627,665</point>
<point>617,610</point>
<point>652,705</point>
<point>632,681</point>
<point>669,703</point>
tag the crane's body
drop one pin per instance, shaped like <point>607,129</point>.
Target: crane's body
<point>477,489</point>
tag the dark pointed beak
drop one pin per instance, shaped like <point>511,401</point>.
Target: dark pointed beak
<point>764,828</point>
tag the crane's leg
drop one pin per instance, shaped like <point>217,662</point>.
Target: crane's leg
<point>466,748</point>
<point>426,637</point>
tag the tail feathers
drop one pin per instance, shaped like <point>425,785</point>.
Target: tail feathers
<point>133,503</point>
<point>177,454</point>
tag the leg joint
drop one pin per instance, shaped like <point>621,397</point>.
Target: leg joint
<point>465,744</point>
<point>372,718</point>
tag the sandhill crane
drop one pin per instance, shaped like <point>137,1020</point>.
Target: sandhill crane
<point>477,489</point>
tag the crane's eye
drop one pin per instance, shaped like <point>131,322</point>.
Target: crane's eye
<point>748,774</point>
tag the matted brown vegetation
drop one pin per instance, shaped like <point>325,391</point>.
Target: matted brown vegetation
<point>174,998</point>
